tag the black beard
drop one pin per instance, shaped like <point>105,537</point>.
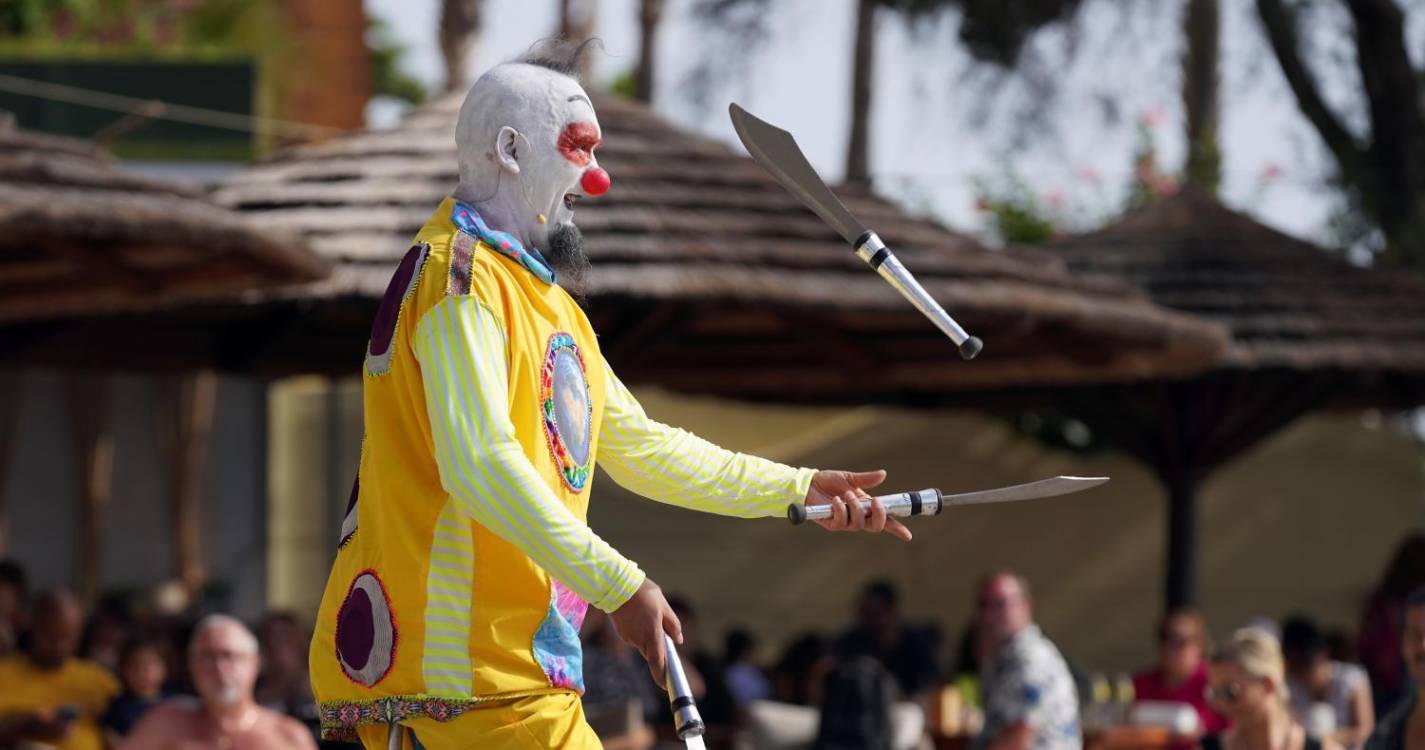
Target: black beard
<point>565,252</point>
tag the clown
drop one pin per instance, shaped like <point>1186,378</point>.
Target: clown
<point>451,617</point>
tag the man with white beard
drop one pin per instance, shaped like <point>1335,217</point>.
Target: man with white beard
<point>223,660</point>
<point>466,564</point>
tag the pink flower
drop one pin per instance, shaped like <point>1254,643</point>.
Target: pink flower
<point>1164,186</point>
<point>1088,174</point>
<point>1054,199</point>
<point>1153,117</point>
<point>1270,172</point>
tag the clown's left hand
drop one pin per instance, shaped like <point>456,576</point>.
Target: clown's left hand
<point>845,492</point>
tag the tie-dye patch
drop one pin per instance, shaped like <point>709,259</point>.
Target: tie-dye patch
<point>556,642</point>
<point>504,243</point>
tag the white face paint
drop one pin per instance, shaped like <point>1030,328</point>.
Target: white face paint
<point>525,139</point>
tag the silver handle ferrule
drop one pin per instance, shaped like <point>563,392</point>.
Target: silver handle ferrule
<point>687,722</point>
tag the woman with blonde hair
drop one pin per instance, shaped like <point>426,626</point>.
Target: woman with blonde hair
<point>1248,684</point>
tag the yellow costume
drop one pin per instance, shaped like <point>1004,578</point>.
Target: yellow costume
<point>80,684</point>
<point>466,562</point>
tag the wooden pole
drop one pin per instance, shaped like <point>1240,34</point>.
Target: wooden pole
<point>1180,587</point>
<point>89,400</point>
<point>11,387</point>
<point>185,424</point>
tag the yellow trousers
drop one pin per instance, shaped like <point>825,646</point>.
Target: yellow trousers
<point>554,721</point>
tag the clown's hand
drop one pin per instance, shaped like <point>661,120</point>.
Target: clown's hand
<point>641,623</point>
<point>845,492</point>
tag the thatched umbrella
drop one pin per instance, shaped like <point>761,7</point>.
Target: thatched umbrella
<point>79,237</point>
<point>708,277</point>
<point>93,258</point>
<point>1309,329</point>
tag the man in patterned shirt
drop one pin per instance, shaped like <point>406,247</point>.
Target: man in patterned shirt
<point>1030,700</point>
<point>451,616</point>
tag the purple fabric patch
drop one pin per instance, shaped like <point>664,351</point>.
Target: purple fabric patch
<point>348,521</point>
<point>366,634</point>
<point>355,488</point>
<point>383,329</point>
<point>355,631</point>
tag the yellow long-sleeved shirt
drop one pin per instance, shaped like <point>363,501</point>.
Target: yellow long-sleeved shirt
<point>466,559</point>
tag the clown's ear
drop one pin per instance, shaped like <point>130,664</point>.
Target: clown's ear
<point>507,149</point>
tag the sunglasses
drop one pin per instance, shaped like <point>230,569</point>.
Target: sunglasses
<point>1227,694</point>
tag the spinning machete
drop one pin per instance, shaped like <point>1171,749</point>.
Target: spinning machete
<point>778,153</point>
<point>931,502</point>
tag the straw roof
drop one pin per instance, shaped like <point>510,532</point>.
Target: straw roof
<point>709,277</point>
<point>1288,303</point>
<point>79,237</point>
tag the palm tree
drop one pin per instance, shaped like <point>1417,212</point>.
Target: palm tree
<point>576,23</point>
<point>459,28</point>
<point>650,12</point>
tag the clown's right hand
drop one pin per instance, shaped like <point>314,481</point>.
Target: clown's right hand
<point>641,623</point>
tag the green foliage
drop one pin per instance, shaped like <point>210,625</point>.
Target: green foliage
<point>1149,181</point>
<point>1017,216</point>
<point>624,84</point>
<point>138,29</point>
<point>387,79</point>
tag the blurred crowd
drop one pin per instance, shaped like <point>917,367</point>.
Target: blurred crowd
<point>123,676</point>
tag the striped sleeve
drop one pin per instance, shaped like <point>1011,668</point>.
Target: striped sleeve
<point>462,351</point>
<point>676,467</point>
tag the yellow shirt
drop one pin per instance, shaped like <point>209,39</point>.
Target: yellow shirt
<point>466,562</point>
<point>82,685</point>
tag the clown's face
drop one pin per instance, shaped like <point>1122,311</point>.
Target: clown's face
<point>540,130</point>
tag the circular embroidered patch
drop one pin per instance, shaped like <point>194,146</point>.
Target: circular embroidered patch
<point>568,410</point>
<point>366,631</point>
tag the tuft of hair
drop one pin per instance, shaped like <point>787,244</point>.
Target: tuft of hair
<point>561,55</point>
<point>1416,598</point>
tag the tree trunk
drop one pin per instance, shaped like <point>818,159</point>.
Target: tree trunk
<point>1388,170</point>
<point>93,441</point>
<point>858,171</point>
<point>1201,32</point>
<point>459,28</point>
<point>650,12</point>
<point>576,23</point>
<point>185,421</point>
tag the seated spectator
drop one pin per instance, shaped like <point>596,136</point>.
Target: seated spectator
<point>615,678</point>
<point>798,676</point>
<point>141,672</point>
<point>50,695</point>
<point>105,633</point>
<point>614,673</point>
<point>1403,728</point>
<point>1314,679</point>
<point>284,685</point>
<point>1248,684</point>
<point>1030,698</point>
<point>14,591</point>
<point>1180,675</point>
<point>908,653</point>
<point>745,679</point>
<point>223,658</point>
<point>856,710</point>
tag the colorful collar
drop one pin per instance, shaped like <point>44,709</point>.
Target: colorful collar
<point>470,222</point>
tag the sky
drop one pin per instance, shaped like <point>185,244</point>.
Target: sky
<point>943,124</point>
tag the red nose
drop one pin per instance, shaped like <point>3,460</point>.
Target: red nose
<point>595,181</point>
